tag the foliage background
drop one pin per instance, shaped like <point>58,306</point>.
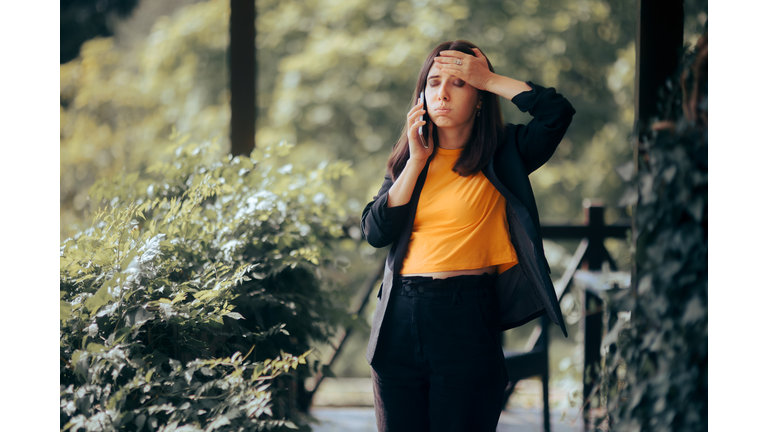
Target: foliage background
<point>334,78</point>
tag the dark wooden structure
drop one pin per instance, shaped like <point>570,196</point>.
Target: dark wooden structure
<point>590,254</point>
<point>659,43</point>
<point>242,75</point>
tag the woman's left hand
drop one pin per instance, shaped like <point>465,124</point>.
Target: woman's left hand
<point>473,70</point>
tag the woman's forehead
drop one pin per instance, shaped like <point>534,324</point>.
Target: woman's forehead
<point>433,71</point>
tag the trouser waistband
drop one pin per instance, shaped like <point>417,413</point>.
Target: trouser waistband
<point>428,287</point>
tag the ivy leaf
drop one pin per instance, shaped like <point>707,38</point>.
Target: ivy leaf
<point>694,311</point>
<point>219,422</point>
<point>137,317</point>
<point>629,197</point>
<point>626,171</point>
<point>118,336</point>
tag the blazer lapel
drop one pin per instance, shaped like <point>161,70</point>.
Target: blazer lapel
<point>394,263</point>
<point>520,210</point>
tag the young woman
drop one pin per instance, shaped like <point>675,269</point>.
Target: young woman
<point>467,258</point>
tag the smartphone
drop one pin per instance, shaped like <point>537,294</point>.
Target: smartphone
<point>421,118</point>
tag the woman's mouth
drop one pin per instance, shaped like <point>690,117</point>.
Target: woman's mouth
<point>442,110</point>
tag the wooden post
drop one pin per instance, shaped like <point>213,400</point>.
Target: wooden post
<point>658,43</point>
<point>545,372</point>
<point>592,304</point>
<point>592,328</point>
<point>242,73</point>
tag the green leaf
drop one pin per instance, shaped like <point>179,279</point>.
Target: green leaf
<point>219,422</point>
<point>65,311</point>
<point>120,334</point>
<point>95,347</point>
<point>98,300</point>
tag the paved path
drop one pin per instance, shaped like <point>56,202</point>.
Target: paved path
<point>363,420</point>
<point>346,405</point>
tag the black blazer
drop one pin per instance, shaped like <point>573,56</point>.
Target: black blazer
<point>523,150</point>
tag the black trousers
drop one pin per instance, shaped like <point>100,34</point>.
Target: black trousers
<point>439,365</point>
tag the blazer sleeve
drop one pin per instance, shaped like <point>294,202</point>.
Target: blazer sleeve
<point>552,115</point>
<point>381,224</point>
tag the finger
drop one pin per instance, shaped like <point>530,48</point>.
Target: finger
<point>414,120</point>
<point>453,53</point>
<point>414,129</point>
<point>416,124</point>
<point>414,111</point>
<point>445,60</point>
<point>416,114</point>
<point>478,53</point>
<point>453,69</point>
<point>450,65</point>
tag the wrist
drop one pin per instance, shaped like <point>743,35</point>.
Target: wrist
<point>491,82</point>
<point>416,164</point>
<point>506,87</point>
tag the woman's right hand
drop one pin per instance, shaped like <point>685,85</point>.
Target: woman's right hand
<point>417,151</point>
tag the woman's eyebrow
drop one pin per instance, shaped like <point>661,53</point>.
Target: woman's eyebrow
<point>433,76</point>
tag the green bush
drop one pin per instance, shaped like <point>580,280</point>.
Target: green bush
<point>186,267</point>
<point>660,359</point>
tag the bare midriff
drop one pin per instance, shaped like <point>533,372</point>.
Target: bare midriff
<point>447,274</point>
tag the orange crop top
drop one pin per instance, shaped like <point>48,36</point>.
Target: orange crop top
<point>460,222</point>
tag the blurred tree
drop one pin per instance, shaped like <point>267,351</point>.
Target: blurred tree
<point>119,104</point>
<point>81,20</point>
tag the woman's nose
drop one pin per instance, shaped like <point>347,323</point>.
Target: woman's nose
<point>442,92</point>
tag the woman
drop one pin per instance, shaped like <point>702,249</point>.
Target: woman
<point>467,259</point>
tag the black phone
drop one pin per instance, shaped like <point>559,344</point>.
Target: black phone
<point>423,131</point>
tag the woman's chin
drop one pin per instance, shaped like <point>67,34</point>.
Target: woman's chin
<point>444,123</point>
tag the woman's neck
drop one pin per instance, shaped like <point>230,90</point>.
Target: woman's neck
<point>454,138</point>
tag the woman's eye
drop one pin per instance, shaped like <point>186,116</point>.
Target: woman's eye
<point>458,83</point>
<point>434,83</point>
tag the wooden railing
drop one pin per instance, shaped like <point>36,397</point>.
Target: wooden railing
<point>590,255</point>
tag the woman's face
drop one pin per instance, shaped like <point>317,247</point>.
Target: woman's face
<point>451,102</point>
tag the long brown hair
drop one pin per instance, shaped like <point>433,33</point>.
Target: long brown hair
<point>487,132</point>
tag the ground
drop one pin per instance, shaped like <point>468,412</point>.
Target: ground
<point>346,405</point>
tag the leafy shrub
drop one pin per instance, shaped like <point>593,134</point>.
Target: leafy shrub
<point>191,264</point>
<point>661,357</point>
